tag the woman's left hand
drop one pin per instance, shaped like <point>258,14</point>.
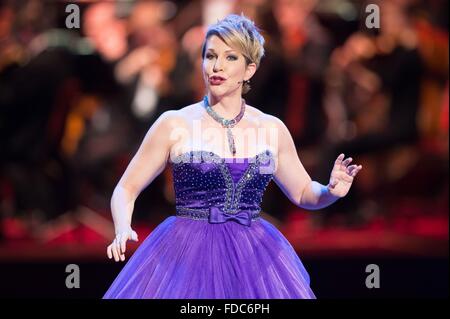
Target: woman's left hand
<point>342,175</point>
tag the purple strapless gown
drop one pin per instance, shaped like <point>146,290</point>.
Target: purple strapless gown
<point>216,245</point>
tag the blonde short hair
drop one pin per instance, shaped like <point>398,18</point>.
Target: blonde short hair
<point>241,33</point>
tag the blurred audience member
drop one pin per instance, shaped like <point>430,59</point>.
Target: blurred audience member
<point>306,47</point>
<point>372,102</point>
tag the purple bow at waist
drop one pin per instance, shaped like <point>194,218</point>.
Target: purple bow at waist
<point>217,216</point>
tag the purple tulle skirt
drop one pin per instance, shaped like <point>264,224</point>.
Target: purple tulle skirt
<point>193,259</point>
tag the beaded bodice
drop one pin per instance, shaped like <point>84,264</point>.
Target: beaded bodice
<point>203,180</point>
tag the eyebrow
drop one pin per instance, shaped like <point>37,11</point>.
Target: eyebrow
<point>225,50</point>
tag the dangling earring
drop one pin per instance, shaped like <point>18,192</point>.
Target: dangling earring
<point>245,86</point>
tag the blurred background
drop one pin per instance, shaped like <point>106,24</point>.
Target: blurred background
<point>75,104</point>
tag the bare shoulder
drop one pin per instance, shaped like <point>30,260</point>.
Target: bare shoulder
<point>264,119</point>
<point>178,118</point>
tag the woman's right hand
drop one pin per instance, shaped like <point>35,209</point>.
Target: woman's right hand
<point>118,246</point>
<point>148,162</point>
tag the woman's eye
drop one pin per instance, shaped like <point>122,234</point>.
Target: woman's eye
<point>229,58</point>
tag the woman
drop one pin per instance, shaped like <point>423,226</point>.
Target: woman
<point>217,245</point>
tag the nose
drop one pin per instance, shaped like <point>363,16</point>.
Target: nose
<point>217,65</point>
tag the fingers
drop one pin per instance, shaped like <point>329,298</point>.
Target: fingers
<point>109,251</point>
<point>346,162</point>
<point>119,240</point>
<point>357,170</point>
<point>354,169</point>
<point>341,176</point>
<point>122,248</point>
<point>341,164</point>
<point>349,175</point>
<point>351,170</point>
<point>344,177</point>
<point>115,250</point>
<point>134,236</point>
<point>339,159</point>
<point>123,242</point>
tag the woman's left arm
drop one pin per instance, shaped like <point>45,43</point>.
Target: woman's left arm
<point>297,185</point>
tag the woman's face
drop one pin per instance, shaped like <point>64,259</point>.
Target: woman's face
<point>224,68</point>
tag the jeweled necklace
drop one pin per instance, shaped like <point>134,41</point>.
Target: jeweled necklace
<point>228,124</point>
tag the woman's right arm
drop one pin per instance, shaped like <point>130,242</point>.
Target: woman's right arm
<point>148,162</point>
